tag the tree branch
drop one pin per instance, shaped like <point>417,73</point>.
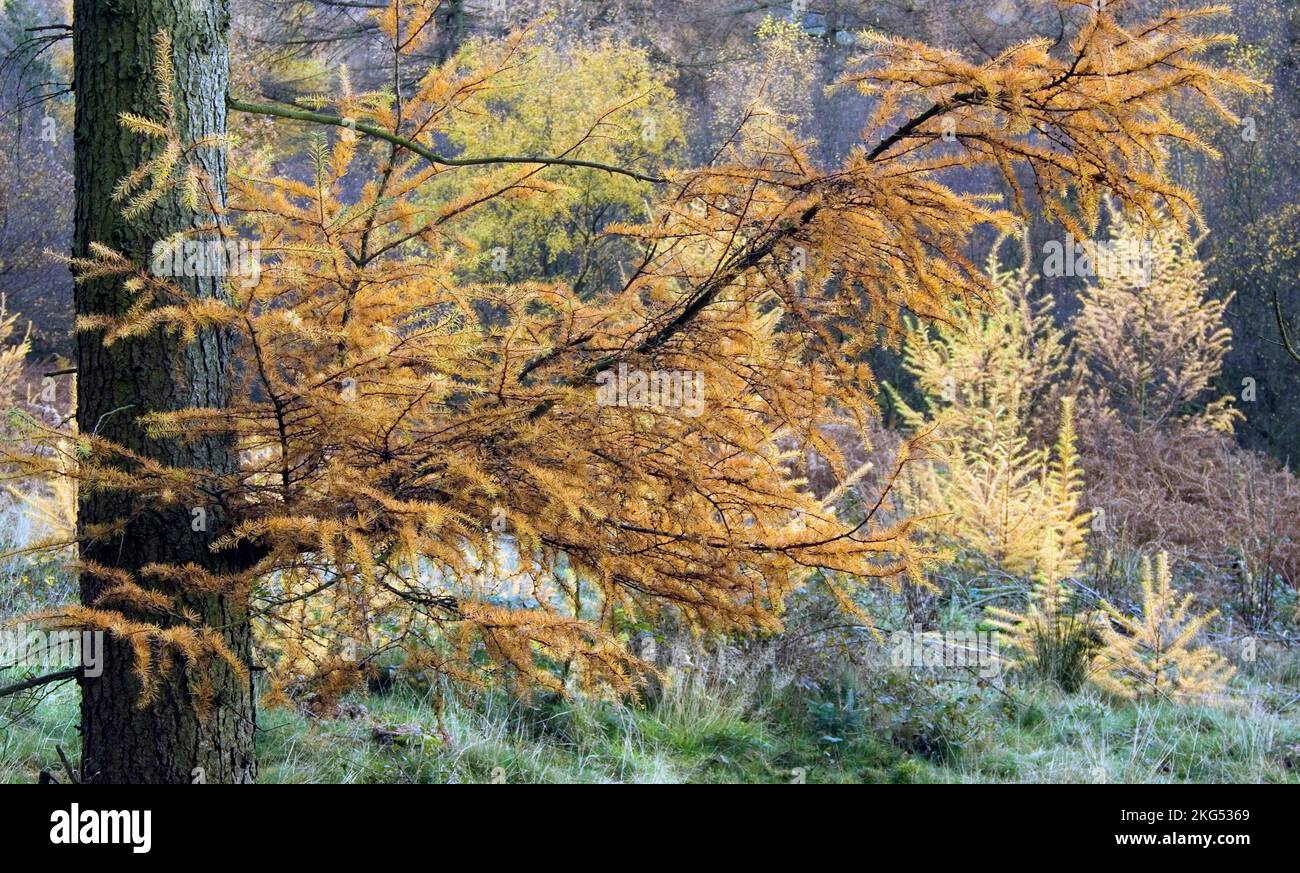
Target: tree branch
<point>1281,327</point>
<point>37,681</point>
<point>906,130</point>
<point>756,252</point>
<point>704,295</point>
<point>428,154</point>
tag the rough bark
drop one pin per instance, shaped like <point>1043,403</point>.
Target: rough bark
<point>165,741</point>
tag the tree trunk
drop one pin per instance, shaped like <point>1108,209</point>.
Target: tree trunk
<point>113,43</point>
<point>451,30</point>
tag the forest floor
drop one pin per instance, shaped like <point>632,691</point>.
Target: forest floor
<point>953,730</point>
<point>824,722</point>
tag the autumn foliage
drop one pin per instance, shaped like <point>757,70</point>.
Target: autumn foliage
<point>1154,654</point>
<point>427,465</point>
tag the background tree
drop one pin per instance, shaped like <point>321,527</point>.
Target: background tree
<point>1250,255</point>
<point>1053,636</point>
<point>1149,339</point>
<point>14,347</point>
<point>543,101</point>
<point>988,379</point>
<point>1152,655</point>
<point>36,170</point>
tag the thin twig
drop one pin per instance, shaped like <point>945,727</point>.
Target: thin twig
<point>72,774</point>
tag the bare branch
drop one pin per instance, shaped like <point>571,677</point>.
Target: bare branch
<point>37,681</point>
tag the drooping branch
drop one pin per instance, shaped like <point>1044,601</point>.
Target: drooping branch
<point>912,124</point>
<point>425,152</point>
<point>387,448</point>
<point>746,259</point>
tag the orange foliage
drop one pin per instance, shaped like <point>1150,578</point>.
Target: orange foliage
<point>416,445</point>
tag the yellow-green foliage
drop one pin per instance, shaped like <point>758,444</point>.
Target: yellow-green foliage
<point>1150,342</point>
<point>1048,636</point>
<point>984,376</point>
<point>1152,654</point>
<point>1064,485</point>
<point>607,97</point>
<point>48,500</point>
<point>786,69</point>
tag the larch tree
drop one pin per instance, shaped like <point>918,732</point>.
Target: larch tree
<point>1154,654</point>
<point>1150,340</point>
<point>360,428</point>
<point>986,374</point>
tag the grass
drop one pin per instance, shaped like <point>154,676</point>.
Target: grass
<point>871,725</point>
<point>894,729</point>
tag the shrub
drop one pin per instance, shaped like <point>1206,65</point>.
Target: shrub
<point>1204,499</point>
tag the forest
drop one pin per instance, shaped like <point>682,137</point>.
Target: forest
<point>649,391</point>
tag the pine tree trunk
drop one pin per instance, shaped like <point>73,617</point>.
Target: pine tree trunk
<point>113,43</point>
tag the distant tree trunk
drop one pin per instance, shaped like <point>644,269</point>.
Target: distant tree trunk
<point>113,46</point>
<point>451,30</point>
